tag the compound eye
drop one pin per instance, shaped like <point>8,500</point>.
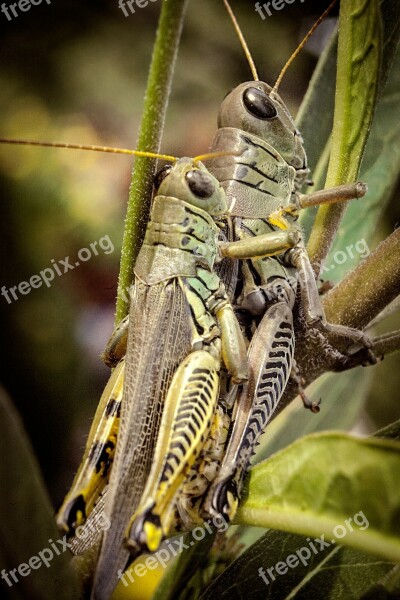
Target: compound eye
<point>200,183</point>
<point>259,104</point>
<point>161,175</point>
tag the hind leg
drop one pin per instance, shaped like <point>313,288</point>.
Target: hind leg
<point>94,470</point>
<point>270,361</point>
<point>204,471</point>
<point>185,425</point>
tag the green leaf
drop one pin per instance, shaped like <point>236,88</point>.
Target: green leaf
<point>27,524</point>
<point>315,116</point>
<point>318,482</point>
<point>329,574</point>
<point>380,170</point>
<point>342,398</point>
<point>387,588</point>
<point>322,575</point>
<point>358,70</point>
<point>315,120</point>
<point>183,567</point>
<point>357,86</point>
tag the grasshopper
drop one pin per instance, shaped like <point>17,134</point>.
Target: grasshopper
<point>181,327</point>
<point>262,181</point>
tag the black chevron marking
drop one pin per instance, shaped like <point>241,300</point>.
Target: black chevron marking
<point>253,167</point>
<point>182,416</point>
<point>197,422</point>
<point>255,187</point>
<point>191,428</point>
<point>186,438</point>
<point>247,140</point>
<point>201,412</point>
<point>266,384</point>
<point>278,354</point>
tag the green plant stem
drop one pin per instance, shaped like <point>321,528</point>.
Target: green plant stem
<point>155,105</point>
<point>359,59</point>
<point>390,309</point>
<point>387,343</point>
<point>367,290</point>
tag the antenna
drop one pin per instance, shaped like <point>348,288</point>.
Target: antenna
<point>211,155</point>
<point>301,46</point>
<point>85,147</point>
<point>201,157</point>
<point>242,41</point>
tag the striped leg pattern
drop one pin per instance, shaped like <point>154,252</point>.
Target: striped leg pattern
<point>270,360</point>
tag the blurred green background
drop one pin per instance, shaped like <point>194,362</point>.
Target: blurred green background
<point>76,72</point>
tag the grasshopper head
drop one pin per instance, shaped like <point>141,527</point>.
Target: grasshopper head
<point>190,181</point>
<point>252,108</point>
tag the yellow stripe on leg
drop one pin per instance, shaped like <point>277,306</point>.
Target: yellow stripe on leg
<point>185,425</point>
<point>93,473</point>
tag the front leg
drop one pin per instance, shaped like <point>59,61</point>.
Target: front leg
<point>267,244</point>
<point>233,346</point>
<point>116,347</point>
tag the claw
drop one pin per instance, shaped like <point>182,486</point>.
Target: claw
<point>72,515</point>
<point>309,404</point>
<point>325,286</point>
<point>146,531</point>
<point>225,499</point>
<point>363,348</point>
<point>370,358</point>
